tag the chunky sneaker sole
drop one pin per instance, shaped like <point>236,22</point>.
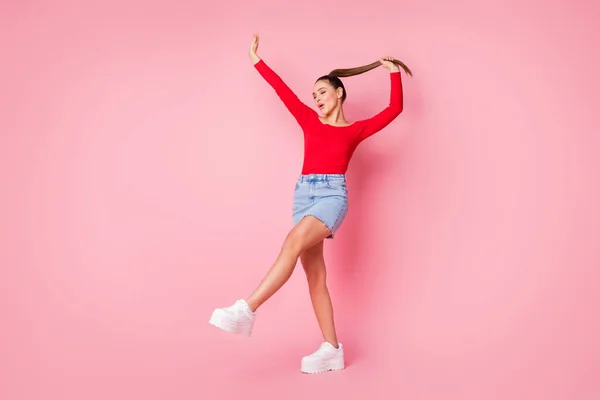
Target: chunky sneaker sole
<point>236,319</point>
<point>312,367</point>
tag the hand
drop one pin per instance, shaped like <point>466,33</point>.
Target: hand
<point>387,63</point>
<point>254,44</point>
<point>253,47</point>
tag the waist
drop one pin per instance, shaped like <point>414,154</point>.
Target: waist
<point>322,178</point>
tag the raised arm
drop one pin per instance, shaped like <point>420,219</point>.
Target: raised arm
<point>388,114</point>
<point>297,108</point>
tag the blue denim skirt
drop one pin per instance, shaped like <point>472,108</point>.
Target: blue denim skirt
<point>323,196</point>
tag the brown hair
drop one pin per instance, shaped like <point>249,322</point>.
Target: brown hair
<point>344,72</point>
<point>334,76</point>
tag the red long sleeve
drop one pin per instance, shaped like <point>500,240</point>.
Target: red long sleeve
<point>299,110</point>
<point>387,115</point>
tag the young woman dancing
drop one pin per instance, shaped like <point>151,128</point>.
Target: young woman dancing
<point>320,199</point>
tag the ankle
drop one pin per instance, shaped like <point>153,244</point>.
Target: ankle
<point>252,305</point>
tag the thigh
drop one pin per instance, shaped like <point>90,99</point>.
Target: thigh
<point>307,233</point>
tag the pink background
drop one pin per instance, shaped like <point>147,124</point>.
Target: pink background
<point>147,174</point>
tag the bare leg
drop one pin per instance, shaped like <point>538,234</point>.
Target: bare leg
<point>314,266</point>
<point>305,234</point>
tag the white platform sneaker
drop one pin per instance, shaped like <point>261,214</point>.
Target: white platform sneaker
<point>326,358</point>
<point>237,318</point>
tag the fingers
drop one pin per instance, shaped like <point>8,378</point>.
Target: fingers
<point>255,39</point>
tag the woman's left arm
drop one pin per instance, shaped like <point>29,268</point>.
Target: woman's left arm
<point>396,104</point>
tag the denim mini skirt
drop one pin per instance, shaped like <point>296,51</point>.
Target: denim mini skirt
<point>323,196</point>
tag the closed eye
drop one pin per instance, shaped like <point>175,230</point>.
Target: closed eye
<point>322,91</point>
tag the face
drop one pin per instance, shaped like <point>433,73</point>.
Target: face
<point>326,97</point>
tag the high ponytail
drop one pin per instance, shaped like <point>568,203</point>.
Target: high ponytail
<point>345,72</point>
<point>334,76</point>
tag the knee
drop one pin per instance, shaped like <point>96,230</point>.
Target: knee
<point>293,244</point>
<point>316,279</point>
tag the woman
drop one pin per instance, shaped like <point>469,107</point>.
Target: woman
<point>320,199</point>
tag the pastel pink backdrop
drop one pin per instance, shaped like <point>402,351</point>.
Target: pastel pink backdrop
<point>147,176</point>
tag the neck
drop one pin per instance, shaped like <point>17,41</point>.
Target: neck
<point>336,117</point>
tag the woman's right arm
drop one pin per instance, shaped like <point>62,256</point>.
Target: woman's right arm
<point>297,108</point>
